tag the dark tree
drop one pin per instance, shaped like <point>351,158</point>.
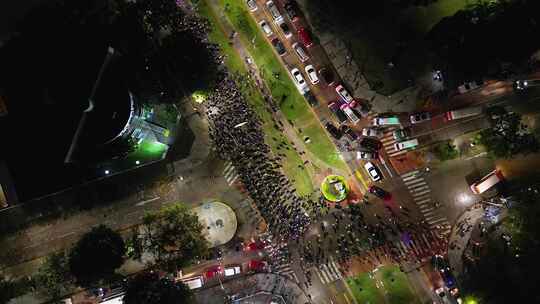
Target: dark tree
<point>7,290</point>
<point>96,255</point>
<point>149,288</point>
<point>174,236</point>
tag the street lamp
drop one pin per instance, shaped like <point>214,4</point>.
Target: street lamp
<point>107,172</point>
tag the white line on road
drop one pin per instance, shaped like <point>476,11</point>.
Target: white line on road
<point>142,203</point>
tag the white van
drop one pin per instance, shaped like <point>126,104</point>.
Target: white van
<point>300,52</point>
<point>408,144</point>
<point>194,283</point>
<point>386,121</point>
<point>487,182</point>
<point>350,114</point>
<point>462,113</point>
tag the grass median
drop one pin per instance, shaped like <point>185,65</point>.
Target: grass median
<point>291,103</point>
<point>292,163</point>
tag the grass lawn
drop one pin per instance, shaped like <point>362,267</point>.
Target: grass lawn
<point>302,180</point>
<point>364,289</point>
<point>397,286</point>
<point>292,104</point>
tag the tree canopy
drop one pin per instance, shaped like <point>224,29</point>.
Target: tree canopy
<point>96,255</point>
<point>149,288</point>
<point>53,278</point>
<point>508,271</point>
<point>174,236</point>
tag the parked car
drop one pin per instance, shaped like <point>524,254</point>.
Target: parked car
<point>300,52</point>
<point>305,38</point>
<point>360,107</point>
<point>312,75</point>
<point>212,271</point>
<point>333,130</point>
<point>334,107</point>
<point>278,45</point>
<point>231,270</point>
<point>420,117</point>
<point>401,134</point>
<point>372,171</point>
<point>379,192</point>
<point>286,31</point>
<point>311,99</point>
<point>291,8</point>
<point>344,94</point>
<point>366,155</point>
<point>370,144</point>
<point>372,132</point>
<point>276,15</point>
<point>468,86</point>
<point>252,5</point>
<point>349,132</point>
<point>327,75</point>
<point>298,79</point>
<point>266,27</point>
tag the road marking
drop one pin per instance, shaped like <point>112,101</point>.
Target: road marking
<point>418,194</point>
<point>424,201</point>
<point>142,203</point>
<point>405,176</point>
<point>436,221</point>
<point>361,178</point>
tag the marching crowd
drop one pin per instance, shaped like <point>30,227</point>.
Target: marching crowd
<point>237,135</point>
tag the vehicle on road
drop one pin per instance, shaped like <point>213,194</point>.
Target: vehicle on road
<point>193,282</point>
<point>372,132</point>
<point>299,80</point>
<point>334,107</point>
<point>312,75</point>
<point>380,193</point>
<point>344,94</point>
<point>286,31</point>
<point>274,12</point>
<point>300,52</point>
<point>305,37</point>
<point>401,134</point>
<point>267,30</point>
<point>468,86</point>
<point>349,132</point>
<point>327,75</point>
<point>278,45</point>
<point>487,182</point>
<point>231,270</point>
<point>311,99</point>
<point>386,121</point>
<point>521,84</point>
<point>252,5</point>
<point>366,155</point>
<point>350,113</point>
<point>420,117</point>
<point>291,8</point>
<point>212,271</point>
<point>333,130</point>
<point>372,171</point>
<point>370,144</point>
<point>257,265</point>
<point>462,113</point>
<point>408,144</point>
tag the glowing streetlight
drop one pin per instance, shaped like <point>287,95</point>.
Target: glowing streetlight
<point>107,172</point>
<point>137,162</point>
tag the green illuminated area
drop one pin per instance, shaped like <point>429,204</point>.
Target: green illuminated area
<point>199,96</point>
<point>334,188</point>
<point>147,151</point>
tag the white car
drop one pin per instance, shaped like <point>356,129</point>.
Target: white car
<point>372,132</point>
<point>342,92</point>
<point>232,270</point>
<point>252,4</point>
<point>312,74</point>
<point>298,79</point>
<point>365,155</point>
<point>276,15</point>
<point>373,171</point>
<point>266,28</point>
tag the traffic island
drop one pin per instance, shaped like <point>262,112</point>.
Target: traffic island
<point>334,188</point>
<point>219,222</point>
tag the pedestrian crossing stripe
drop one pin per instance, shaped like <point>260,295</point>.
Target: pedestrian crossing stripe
<point>409,175</point>
<point>419,188</point>
<point>417,194</point>
<point>436,221</point>
<point>397,153</point>
<point>424,203</point>
<point>414,183</point>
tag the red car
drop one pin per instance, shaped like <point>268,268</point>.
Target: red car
<point>305,38</point>
<point>256,265</point>
<point>257,245</point>
<point>212,271</point>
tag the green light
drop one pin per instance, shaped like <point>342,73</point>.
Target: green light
<point>199,96</point>
<point>470,300</point>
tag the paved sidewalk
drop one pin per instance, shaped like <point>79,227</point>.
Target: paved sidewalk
<point>458,241</point>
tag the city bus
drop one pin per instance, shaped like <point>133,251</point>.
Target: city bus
<point>385,121</point>
<point>462,113</point>
<point>194,283</point>
<point>487,182</point>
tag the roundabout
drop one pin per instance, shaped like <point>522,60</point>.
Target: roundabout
<point>334,188</point>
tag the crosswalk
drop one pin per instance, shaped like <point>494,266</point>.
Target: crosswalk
<point>421,194</point>
<point>388,142</point>
<point>286,270</point>
<point>328,272</point>
<point>230,173</point>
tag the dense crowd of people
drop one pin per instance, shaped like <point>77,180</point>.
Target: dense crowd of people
<point>236,133</point>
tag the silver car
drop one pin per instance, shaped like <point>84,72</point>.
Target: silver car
<point>372,132</point>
